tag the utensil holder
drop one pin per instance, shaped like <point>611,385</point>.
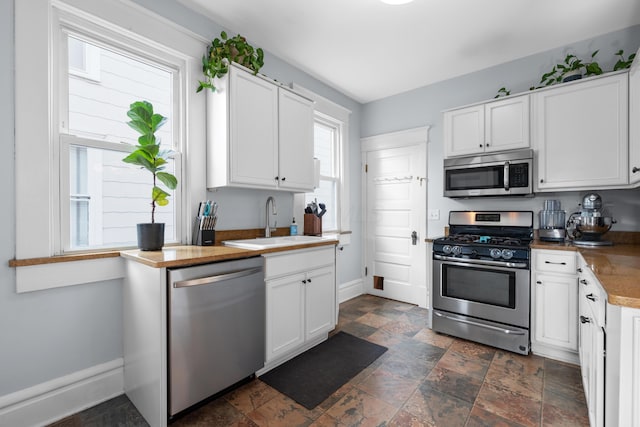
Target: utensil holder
<point>312,225</point>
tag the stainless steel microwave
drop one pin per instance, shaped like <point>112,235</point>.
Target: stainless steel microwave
<point>500,174</point>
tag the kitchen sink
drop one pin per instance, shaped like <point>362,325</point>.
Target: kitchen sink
<point>272,242</point>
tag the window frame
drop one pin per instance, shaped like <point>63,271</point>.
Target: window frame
<point>37,164</point>
<point>325,109</point>
<point>63,25</point>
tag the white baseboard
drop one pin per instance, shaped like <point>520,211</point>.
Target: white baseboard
<point>350,290</point>
<point>554,353</point>
<point>58,398</point>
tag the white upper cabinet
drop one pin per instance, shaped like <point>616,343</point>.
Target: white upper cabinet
<point>634,122</point>
<point>493,126</point>
<point>259,135</point>
<point>580,131</point>
<point>296,170</point>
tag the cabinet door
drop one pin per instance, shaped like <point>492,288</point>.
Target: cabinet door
<point>464,131</point>
<point>296,142</point>
<point>507,124</point>
<point>320,302</point>
<point>581,134</point>
<point>634,122</point>
<point>285,315</point>
<point>253,135</point>
<point>556,300</point>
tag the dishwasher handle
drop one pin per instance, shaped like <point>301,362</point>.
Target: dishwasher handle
<point>217,278</point>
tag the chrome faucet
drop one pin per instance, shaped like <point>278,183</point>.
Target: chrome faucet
<point>267,228</point>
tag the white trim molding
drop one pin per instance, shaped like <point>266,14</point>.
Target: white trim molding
<point>350,290</point>
<point>47,276</point>
<point>53,400</point>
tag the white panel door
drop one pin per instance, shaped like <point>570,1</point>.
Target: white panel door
<point>396,209</point>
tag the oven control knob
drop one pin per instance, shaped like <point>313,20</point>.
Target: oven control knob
<point>446,249</point>
<point>457,250</point>
<point>495,253</point>
<point>507,253</point>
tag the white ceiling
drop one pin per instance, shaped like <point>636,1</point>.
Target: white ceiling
<point>370,50</point>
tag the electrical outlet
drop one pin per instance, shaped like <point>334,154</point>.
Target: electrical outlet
<point>434,214</point>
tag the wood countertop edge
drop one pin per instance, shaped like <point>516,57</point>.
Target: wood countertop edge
<point>225,253</point>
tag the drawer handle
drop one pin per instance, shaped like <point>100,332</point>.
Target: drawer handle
<point>584,319</point>
<point>539,282</point>
<point>556,263</point>
<point>584,282</point>
<point>590,297</point>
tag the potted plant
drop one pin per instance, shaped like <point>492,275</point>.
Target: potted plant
<point>222,51</point>
<point>623,64</point>
<point>570,69</point>
<point>148,155</point>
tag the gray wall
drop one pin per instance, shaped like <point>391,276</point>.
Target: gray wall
<point>424,106</point>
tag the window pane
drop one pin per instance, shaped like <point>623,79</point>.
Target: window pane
<point>98,110</point>
<point>324,146</point>
<point>117,197</point>
<point>107,196</point>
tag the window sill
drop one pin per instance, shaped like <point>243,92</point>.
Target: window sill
<point>35,274</point>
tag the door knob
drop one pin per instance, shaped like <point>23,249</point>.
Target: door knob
<point>414,238</point>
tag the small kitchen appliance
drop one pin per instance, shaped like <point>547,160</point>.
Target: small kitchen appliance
<point>481,278</point>
<point>587,226</point>
<point>497,174</point>
<point>552,222</point>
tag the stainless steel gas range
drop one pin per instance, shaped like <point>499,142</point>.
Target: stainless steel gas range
<point>481,278</point>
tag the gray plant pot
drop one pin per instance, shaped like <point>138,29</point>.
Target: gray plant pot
<point>150,236</point>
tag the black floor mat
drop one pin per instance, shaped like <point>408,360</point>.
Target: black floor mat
<point>315,374</point>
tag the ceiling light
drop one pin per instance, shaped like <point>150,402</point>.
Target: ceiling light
<point>396,2</point>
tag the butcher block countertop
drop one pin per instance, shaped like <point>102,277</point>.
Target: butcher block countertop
<point>183,256</point>
<point>617,268</point>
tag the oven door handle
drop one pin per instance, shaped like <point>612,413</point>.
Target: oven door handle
<point>481,325</point>
<point>473,262</point>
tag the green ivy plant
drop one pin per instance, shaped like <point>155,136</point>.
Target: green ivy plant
<point>222,51</point>
<point>623,64</point>
<point>147,154</point>
<point>571,63</point>
<point>503,91</point>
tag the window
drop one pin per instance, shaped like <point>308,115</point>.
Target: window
<point>327,133</point>
<point>103,198</point>
<point>331,130</point>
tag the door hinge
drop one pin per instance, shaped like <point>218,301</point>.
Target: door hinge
<point>366,270</point>
<point>366,168</point>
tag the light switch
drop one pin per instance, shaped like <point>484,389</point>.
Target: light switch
<point>434,214</point>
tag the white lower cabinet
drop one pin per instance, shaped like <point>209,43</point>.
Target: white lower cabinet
<point>301,302</point>
<point>554,301</point>
<point>591,306</point>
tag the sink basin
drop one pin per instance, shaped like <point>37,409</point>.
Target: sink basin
<point>272,242</point>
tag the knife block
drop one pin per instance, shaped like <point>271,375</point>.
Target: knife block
<point>312,225</point>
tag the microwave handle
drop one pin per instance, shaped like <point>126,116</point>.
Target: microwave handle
<point>506,176</point>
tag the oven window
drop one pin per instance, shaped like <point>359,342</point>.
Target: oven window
<point>480,285</point>
<point>475,178</point>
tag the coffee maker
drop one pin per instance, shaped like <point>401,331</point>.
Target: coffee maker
<point>589,224</point>
<point>551,219</point>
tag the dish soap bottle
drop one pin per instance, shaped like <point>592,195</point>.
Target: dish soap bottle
<point>293,229</point>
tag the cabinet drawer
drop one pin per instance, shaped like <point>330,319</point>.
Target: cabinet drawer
<point>280,264</point>
<point>595,296</point>
<point>555,261</point>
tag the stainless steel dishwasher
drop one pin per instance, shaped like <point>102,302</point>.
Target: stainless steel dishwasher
<point>216,331</point>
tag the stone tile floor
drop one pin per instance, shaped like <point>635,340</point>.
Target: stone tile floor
<point>424,379</point>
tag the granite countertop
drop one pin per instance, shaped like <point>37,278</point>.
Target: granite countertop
<point>183,256</point>
<point>617,268</point>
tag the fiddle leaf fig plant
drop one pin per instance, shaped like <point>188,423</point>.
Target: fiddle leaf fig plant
<point>222,51</point>
<point>148,154</point>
